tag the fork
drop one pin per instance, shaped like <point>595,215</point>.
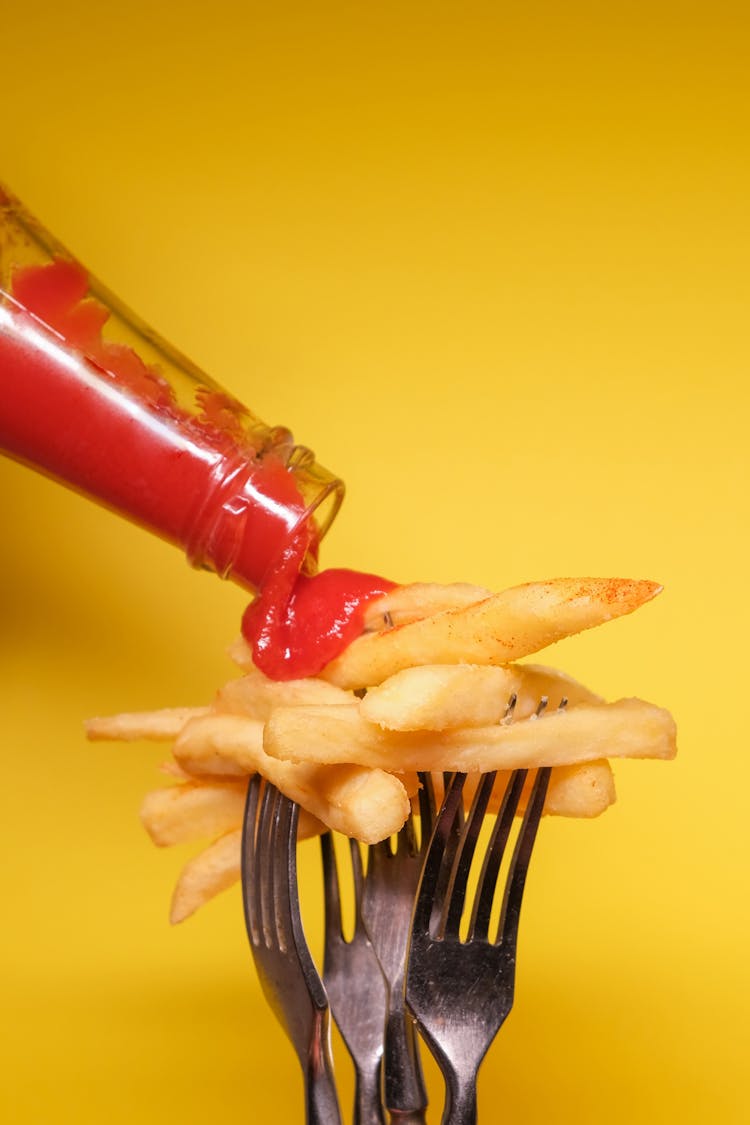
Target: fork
<point>387,901</point>
<point>355,985</point>
<point>462,991</point>
<point>288,977</point>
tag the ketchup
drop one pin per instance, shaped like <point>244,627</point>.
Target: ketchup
<point>298,631</point>
<point>197,469</point>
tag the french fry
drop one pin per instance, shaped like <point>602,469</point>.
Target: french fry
<point>202,878</point>
<point>628,728</point>
<point>582,790</point>
<point>178,814</point>
<point>418,600</point>
<point>498,630</point>
<point>359,802</point>
<point>240,653</point>
<point>203,748</point>
<point>129,726</point>
<point>218,867</point>
<point>255,695</point>
<point>445,696</point>
<point>171,769</point>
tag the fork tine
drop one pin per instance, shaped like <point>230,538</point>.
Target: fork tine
<point>377,855</point>
<point>453,840</point>
<point>249,899</point>
<point>440,854</point>
<point>447,779</point>
<point>286,892</point>
<point>480,920</point>
<point>450,920</point>
<point>426,805</point>
<point>511,909</point>
<point>358,878</point>
<point>406,838</point>
<point>263,889</point>
<point>331,893</point>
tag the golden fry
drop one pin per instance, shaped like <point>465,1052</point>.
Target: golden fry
<point>498,630</point>
<point>360,802</point>
<point>178,814</point>
<point>240,653</point>
<point>155,726</point>
<point>583,790</point>
<point>418,600</point>
<point>206,875</point>
<point>445,696</point>
<point>255,695</point>
<point>628,728</point>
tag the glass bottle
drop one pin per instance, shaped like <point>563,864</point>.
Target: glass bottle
<point>92,397</point>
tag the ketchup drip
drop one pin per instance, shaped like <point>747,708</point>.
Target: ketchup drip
<point>93,414</point>
<point>295,628</point>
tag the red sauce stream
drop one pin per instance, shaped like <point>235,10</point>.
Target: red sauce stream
<point>91,413</point>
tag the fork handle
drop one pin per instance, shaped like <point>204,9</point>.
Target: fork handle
<point>405,1094</point>
<point>367,1105</point>
<point>321,1099</point>
<point>460,1101</point>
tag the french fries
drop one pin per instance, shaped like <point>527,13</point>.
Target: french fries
<point>256,696</point>
<point>220,746</point>
<point>583,790</point>
<point>179,814</point>
<point>206,875</point>
<point>498,630</point>
<point>153,726</point>
<point>364,803</point>
<point>219,866</point>
<point>437,689</point>
<point>628,728</point>
<point>445,696</point>
<point>418,600</point>
<point>199,810</point>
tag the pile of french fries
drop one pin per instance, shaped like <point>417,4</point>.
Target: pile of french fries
<point>432,684</point>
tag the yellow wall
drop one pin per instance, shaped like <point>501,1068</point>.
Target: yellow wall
<point>491,262</point>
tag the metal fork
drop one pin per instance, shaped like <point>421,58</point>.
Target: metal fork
<point>462,991</point>
<point>290,981</point>
<point>387,902</point>
<point>355,985</point>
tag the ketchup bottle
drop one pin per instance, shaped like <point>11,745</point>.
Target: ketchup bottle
<point>92,397</point>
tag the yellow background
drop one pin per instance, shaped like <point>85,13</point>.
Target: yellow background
<point>491,262</point>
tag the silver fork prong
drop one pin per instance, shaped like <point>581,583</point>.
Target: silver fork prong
<point>250,901</point>
<point>480,920</point>
<point>510,708</point>
<point>441,852</point>
<point>406,839</point>
<point>451,846</point>
<point>377,857</point>
<point>332,898</point>
<point>541,707</point>
<point>263,888</point>
<point>450,920</point>
<point>427,810</point>
<point>287,896</point>
<point>447,779</point>
<point>282,876</point>
<point>511,908</point>
<point>358,877</point>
